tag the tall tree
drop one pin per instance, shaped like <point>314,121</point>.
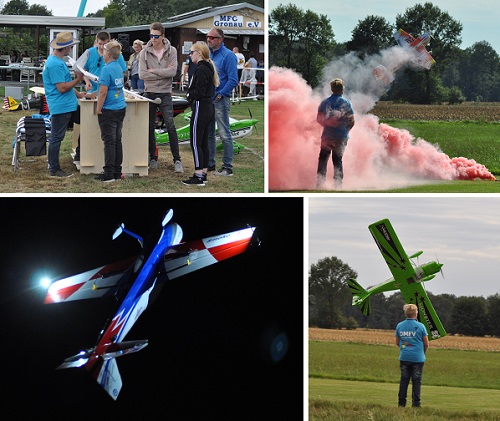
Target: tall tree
<point>446,33</point>
<point>328,292</point>
<point>300,40</point>
<point>479,72</point>
<point>370,36</point>
<point>469,316</point>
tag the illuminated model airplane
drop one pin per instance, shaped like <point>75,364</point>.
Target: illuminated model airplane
<point>407,277</point>
<point>169,259</point>
<point>419,54</point>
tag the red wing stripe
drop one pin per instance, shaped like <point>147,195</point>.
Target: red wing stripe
<point>62,294</point>
<point>226,251</point>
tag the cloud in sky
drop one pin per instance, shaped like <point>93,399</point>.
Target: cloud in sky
<point>462,232</point>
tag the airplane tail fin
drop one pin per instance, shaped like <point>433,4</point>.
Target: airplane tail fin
<point>360,297</point>
<point>103,366</point>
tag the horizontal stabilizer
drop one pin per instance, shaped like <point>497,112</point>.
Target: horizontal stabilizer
<point>360,297</point>
<point>124,348</point>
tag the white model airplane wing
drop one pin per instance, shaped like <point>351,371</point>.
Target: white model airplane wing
<point>94,283</point>
<point>189,257</point>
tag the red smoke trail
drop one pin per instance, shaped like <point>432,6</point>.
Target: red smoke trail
<point>377,156</point>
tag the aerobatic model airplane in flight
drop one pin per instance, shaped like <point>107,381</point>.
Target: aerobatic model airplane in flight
<point>419,54</point>
<point>168,259</point>
<point>407,277</point>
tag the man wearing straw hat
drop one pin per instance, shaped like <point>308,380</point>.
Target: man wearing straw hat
<point>62,97</point>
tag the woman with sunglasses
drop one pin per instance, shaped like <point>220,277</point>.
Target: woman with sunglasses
<point>200,92</point>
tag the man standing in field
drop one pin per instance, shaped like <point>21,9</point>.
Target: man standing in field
<point>336,116</point>
<point>411,338</point>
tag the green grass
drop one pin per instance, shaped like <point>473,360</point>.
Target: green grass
<point>353,400</point>
<point>33,177</point>
<point>444,367</point>
<point>471,139</point>
<point>352,381</point>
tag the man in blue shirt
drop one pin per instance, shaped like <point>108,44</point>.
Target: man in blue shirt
<point>336,116</point>
<point>61,97</point>
<point>227,68</point>
<point>412,340</point>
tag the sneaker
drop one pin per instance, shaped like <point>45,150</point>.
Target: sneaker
<point>153,164</point>
<point>77,165</point>
<point>61,174</point>
<point>178,166</point>
<point>105,178</point>
<point>212,168</point>
<point>204,177</point>
<point>224,172</point>
<point>194,181</point>
<point>118,176</point>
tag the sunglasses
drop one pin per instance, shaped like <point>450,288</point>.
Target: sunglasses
<point>211,38</point>
<point>193,51</point>
<point>154,36</point>
<point>99,60</point>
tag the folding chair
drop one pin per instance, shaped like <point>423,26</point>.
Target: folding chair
<point>34,131</point>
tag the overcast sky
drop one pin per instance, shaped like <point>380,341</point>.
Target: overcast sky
<point>462,232</point>
<point>479,18</point>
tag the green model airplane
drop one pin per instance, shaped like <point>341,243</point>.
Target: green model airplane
<point>238,128</point>
<point>407,277</point>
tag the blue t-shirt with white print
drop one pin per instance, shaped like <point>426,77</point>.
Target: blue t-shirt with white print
<point>411,340</point>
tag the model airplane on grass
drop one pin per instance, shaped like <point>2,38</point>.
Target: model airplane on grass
<point>238,128</point>
<point>407,277</point>
<point>419,54</point>
<point>169,259</point>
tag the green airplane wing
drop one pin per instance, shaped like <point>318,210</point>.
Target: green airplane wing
<point>393,252</point>
<point>405,276</point>
<point>415,294</point>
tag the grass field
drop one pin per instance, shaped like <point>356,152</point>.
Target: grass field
<point>467,130</point>
<point>354,375</point>
<point>33,176</point>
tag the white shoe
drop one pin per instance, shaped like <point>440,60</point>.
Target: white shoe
<point>178,166</point>
<point>77,165</point>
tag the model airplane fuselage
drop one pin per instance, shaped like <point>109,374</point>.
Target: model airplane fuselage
<point>419,54</point>
<point>407,277</point>
<point>168,260</point>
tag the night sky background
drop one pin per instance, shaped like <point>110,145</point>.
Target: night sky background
<point>210,332</point>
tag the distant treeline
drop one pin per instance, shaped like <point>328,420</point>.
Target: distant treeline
<point>330,305</point>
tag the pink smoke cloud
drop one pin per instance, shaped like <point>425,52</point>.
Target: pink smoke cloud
<point>377,156</point>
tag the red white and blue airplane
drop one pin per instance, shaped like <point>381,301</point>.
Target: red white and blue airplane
<point>419,54</point>
<point>169,259</point>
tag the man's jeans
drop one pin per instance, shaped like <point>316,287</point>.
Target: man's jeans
<point>111,124</point>
<point>411,371</point>
<point>59,123</point>
<point>167,109</point>
<point>222,120</point>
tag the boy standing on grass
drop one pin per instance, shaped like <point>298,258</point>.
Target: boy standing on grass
<point>412,340</point>
<point>111,109</point>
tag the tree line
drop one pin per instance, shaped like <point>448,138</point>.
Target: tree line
<point>305,41</point>
<point>118,13</point>
<point>330,305</point>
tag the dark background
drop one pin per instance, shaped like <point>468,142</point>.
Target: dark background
<point>210,333</point>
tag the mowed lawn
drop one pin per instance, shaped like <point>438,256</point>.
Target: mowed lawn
<point>355,380</point>
<point>249,172</point>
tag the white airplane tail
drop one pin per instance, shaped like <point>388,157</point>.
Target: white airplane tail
<point>104,369</point>
<point>109,378</point>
